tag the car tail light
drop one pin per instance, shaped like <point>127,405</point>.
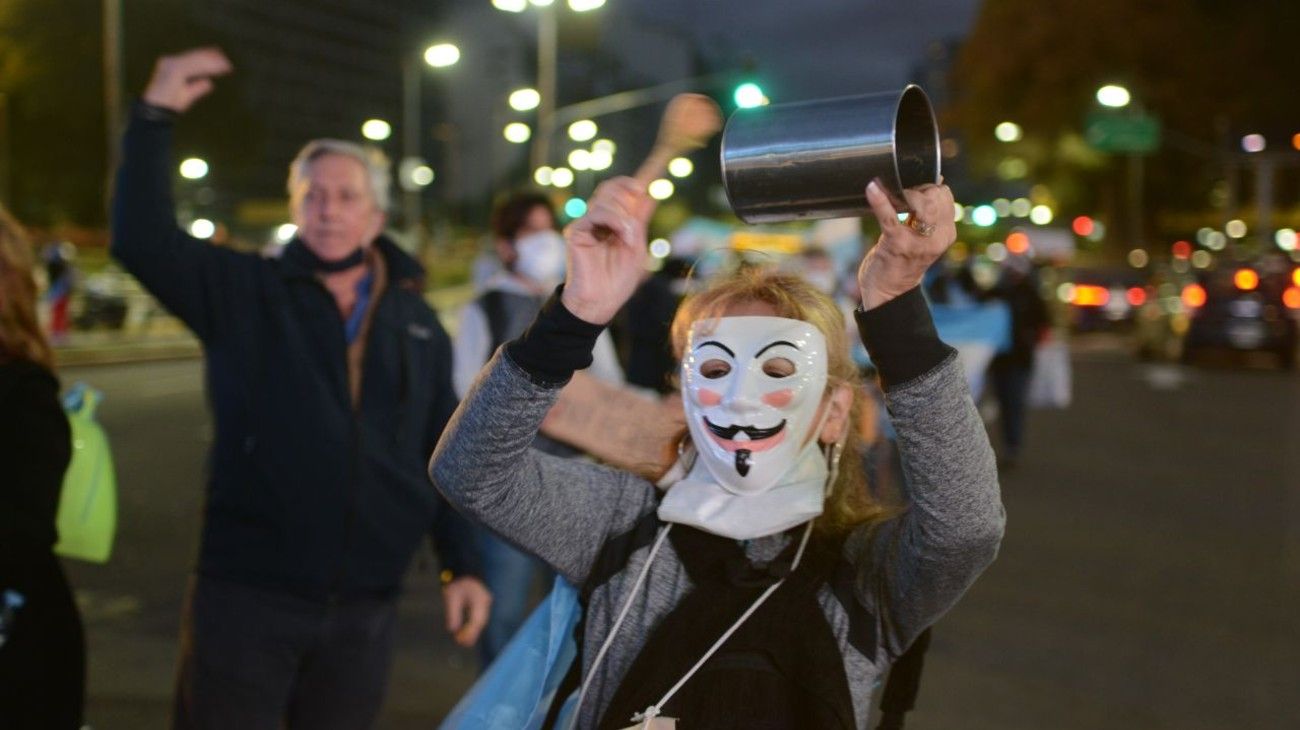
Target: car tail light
<point>1246,279</point>
<point>1291,297</point>
<point>1194,296</point>
<point>1088,295</point>
<point>1295,276</point>
<point>1137,296</point>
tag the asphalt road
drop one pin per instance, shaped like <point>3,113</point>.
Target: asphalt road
<point>1149,577</point>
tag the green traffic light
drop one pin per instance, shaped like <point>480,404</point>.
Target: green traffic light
<point>749,95</point>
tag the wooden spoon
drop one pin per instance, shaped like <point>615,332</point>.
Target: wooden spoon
<point>687,125</point>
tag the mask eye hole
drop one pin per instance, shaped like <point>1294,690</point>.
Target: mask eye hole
<point>778,367</point>
<point>715,368</point>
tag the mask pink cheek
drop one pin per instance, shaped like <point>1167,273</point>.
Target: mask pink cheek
<point>779,398</point>
<point>707,397</point>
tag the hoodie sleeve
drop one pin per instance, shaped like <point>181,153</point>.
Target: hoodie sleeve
<point>913,569</point>
<point>560,510</point>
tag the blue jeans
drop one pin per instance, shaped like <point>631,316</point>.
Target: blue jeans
<point>510,575</point>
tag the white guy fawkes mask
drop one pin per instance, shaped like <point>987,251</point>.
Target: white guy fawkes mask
<point>751,388</point>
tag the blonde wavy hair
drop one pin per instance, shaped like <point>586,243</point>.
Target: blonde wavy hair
<point>21,337</point>
<point>850,503</point>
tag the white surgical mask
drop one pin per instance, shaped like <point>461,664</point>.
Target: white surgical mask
<point>540,257</point>
<point>752,388</point>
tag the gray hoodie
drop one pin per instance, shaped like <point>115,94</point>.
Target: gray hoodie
<point>908,571</point>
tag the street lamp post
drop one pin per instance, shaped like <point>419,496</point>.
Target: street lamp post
<point>547,32</point>
<point>547,50</point>
<point>439,55</point>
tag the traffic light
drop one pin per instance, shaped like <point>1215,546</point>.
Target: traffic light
<point>749,95</point>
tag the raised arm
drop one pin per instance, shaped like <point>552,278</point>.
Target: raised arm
<point>561,510</point>
<point>185,274</point>
<point>914,568</point>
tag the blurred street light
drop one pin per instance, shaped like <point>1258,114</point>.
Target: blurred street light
<point>582,6</point>
<point>1285,238</point>
<point>660,248</point>
<point>517,132</point>
<point>542,175</point>
<point>680,167</point>
<point>749,95</point>
<point>376,130</point>
<point>194,168</point>
<point>1253,143</point>
<point>600,160</point>
<point>422,175</point>
<point>510,6</point>
<point>522,100</point>
<point>603,145</point>
<point>441,55</point>
<point>580,159</point>
<point>582,130</point>
<point>575,207</point>
<point>1008,132</point>
<point>1113,96</point>
<point>661,189</point>
<point>562,177</point>
<point>202,228</point>
<point>1235,228</point>
<point>984,215</point>
<point>542,3</point>
<point>1295,140</point>
<point>1040,215</point>
<point>285,232</point>
<point>1137,258</point>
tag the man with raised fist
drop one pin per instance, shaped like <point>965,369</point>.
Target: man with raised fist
<point>330,381</point>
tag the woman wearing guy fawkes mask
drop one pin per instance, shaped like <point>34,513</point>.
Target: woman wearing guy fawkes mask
<point>754,585</point>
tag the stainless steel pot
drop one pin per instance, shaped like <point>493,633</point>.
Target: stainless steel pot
<point>813,159</point>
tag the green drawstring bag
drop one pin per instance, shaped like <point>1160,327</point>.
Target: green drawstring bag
<point>87,518</point>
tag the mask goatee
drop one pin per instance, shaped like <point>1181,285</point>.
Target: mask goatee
<point>742,461</point>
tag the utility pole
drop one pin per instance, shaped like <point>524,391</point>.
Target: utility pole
<point>411,211</point>
<point>112,80</point>
<point>547,32</point>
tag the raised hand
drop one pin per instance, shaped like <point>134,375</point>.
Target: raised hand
<point>180,80</point>
<point>606,250</point>
<point>899,259</point>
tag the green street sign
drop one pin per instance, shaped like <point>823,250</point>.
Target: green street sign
<point>1131,133</point>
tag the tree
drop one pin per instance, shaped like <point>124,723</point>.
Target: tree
<point>1209,71</point>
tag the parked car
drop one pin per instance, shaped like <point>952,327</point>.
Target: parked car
<point>1244,307</point>
<point>1102,299</point>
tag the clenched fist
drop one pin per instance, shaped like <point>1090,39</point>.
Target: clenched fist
<point>606,250</point>
<point>898,261</point>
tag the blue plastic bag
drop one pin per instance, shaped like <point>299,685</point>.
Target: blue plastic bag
<point>516,691</point>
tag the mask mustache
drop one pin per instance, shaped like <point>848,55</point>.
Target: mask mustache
<point>754,433</point>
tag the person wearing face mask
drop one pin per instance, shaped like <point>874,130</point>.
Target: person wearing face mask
<point>755,583</point>
<point>530,253</point>
<point>329,380</point>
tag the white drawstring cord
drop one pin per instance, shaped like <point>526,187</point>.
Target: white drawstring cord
<point>618,622</point>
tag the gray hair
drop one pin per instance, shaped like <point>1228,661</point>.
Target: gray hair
<point>375,162</point>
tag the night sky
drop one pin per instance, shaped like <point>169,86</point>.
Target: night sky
<point>816,48</point>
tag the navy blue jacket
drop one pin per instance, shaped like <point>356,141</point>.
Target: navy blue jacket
<point>305,493</point>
